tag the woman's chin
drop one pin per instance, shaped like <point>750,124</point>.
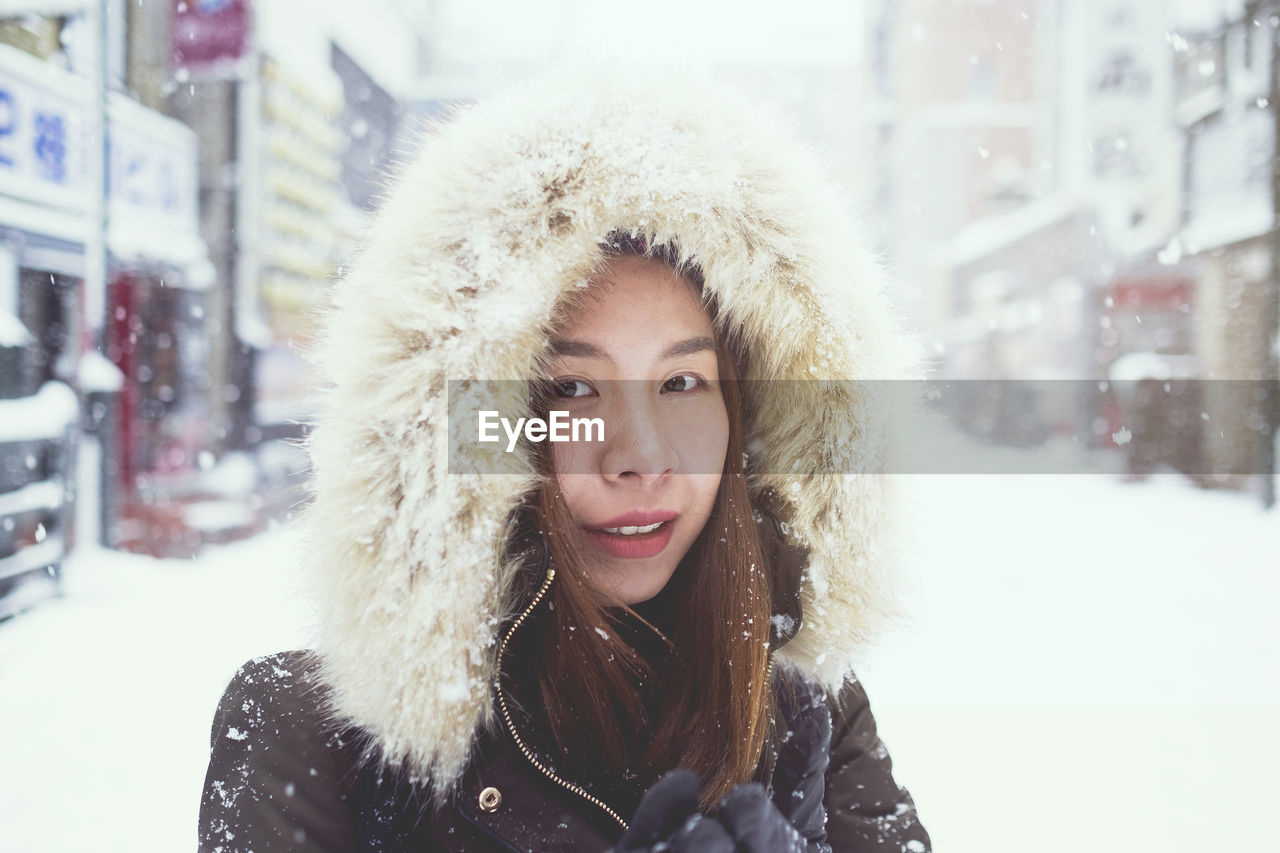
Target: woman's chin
<point>635,585</point>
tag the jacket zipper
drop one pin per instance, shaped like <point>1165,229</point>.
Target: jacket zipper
<point>511,728</point>
<point>506,713</point>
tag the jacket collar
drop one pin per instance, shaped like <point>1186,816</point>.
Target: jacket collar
<point>516,684</point>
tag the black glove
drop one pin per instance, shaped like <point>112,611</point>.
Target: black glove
<point>799,777</point>
<point>746,819</point>
<point>668,819</point>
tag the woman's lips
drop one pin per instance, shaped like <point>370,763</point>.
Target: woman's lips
<point>635,545</point>
<point>637,518</point>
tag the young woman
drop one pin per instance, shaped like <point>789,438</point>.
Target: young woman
<point>640,640</point>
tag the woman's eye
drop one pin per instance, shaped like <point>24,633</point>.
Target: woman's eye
<point>568,388</point>
<point>682,382</point>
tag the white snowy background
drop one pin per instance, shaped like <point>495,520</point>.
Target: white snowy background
<point>1087,665</point>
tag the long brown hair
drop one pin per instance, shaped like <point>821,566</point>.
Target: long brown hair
<point>706,706</point>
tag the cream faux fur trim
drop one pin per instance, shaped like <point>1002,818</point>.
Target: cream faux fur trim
<point>500,214</point>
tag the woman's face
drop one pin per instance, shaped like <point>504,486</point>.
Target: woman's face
<point>639,354</point>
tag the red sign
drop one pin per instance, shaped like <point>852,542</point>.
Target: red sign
<point>209,33</point>
<point>1150,292</point>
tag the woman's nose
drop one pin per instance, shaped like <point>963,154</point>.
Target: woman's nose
<point>639,446</point>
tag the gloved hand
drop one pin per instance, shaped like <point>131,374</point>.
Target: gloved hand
<point>799,778</point>
<point>746,819</point>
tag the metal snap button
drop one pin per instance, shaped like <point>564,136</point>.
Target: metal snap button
<point>490,799</point>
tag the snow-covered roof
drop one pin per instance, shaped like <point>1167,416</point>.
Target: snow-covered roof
<point>12,331</point>
<point>96,372</point>
<point>1202,16</point>
<point>1241,223</point>
<point>45,414</point>
<point>1133,366</point>
<point>990,233</point>
<point>135,237</point>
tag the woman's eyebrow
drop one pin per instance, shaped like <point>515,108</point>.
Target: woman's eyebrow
<point>688,347</point>
<point>566,347</point>
<point>582,349</point>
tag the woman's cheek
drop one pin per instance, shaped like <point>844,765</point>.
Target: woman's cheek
<point>576,491</point>
<point>575,457</point>
<point>704,439</point>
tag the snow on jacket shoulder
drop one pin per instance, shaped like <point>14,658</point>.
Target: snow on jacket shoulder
<point>275,770</point>
<point>281,778</point>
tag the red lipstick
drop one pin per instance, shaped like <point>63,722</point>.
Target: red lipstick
<point>637,518</point>
<point>634,545</point>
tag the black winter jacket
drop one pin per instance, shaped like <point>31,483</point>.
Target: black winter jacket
<point>279,779</point>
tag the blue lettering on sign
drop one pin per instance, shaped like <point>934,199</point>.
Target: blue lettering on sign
<point>168,187</point>
<point>8,121</point>
<point>51,147</point>
<point>134,166</point>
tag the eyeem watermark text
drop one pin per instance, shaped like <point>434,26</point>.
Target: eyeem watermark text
<point>558,427</point>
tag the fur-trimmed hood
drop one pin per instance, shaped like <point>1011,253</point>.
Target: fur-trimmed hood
<point>503,211</point>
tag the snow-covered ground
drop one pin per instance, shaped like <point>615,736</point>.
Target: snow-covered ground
<point>1082,665</point>
<point>107,694</point>
<point>1085,665</point>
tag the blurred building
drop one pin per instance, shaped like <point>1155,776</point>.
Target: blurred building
<point>297,131</point>
<point>1072,184</point>
<point>1225,58</point>
<point>104,283</point>
<point>965,123</point>
<point>1011,119</point>
<point>158,281</point>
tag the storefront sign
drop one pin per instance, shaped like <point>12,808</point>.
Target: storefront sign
<point>206,34</point>
<point>153,167</point>
<point>42,137</point>
<point>44,147</point>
